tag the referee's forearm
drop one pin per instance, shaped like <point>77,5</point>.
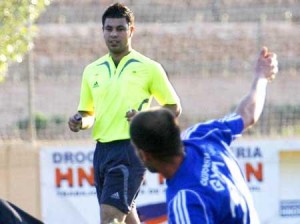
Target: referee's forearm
<point>88,119</point>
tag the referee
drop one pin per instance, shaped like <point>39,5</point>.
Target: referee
<point>121,82</point>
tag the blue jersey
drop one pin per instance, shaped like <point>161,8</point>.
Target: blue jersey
<point>209,186</point>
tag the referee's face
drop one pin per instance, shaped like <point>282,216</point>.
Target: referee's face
<point>117,35</point>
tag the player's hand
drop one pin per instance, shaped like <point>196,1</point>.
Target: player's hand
<point>130,114</point>
<point>267,65</point>
<point>75,122</point>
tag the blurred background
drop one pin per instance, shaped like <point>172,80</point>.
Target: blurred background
<point>208,48</point>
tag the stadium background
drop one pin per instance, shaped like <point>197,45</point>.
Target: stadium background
<point>207,47</point>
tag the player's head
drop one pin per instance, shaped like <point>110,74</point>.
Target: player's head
<point>118,28</point>
<point>156,132</point>
<point>118,10</point>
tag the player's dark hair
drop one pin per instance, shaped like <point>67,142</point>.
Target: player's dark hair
<point>158,133</point>
<point>118,10</point>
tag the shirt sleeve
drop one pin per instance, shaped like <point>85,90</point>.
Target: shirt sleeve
<point>161,88</point>
<point>188,207</point>
<point>86,98</point>
<point>228,128</point>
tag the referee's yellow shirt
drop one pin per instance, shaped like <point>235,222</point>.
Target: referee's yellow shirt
<point>110,92</point>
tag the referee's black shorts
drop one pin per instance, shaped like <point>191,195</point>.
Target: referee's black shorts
<point>119,174</point>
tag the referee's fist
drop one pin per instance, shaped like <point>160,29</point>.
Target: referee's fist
<point>75,122</point>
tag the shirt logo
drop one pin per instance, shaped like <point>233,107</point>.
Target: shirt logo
<point>216,185</point>
<point>96,85</point>
<point>210,174</point>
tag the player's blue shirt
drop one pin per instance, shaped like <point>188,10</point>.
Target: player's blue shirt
<point>209,186</point>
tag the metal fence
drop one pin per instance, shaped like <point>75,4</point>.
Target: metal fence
<point>207,47</point>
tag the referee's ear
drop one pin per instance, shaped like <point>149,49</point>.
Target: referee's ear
<point>131,30</point>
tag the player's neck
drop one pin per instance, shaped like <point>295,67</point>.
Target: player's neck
<point>118,57</point>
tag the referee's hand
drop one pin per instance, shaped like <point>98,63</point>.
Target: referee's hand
<point>75,122</point>
<point>130,114</point>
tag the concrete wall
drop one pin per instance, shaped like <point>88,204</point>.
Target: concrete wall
<point>19,176</point>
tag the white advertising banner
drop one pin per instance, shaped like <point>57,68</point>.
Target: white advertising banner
<point>67,191</point>
<point>68,195</point>
<point>271,169</point>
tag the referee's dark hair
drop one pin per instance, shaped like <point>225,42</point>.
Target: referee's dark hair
<point>157,132</point>
<point>118,10</point>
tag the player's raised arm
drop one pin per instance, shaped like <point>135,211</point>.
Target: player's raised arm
<point>251,106</point>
